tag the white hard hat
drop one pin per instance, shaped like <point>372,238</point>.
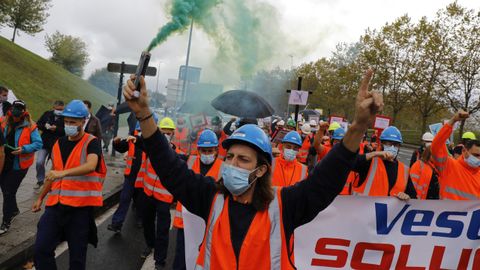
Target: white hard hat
<point>281,123</point>
<point>427,137</point>
<point>313,123</point>
<point>306,129</point>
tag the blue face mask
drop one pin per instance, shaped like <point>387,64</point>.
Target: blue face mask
<point>289,154</point>
<point>473,161</point>
<point>207,159</point>
<point>71,131</point>
<point>236,179</point>
<point>391,149</point>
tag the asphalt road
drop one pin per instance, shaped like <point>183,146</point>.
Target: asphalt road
<point>118,251</point>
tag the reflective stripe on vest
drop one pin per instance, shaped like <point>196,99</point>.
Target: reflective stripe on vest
<point>216,212</point>
<point>304,172</point>
<point>74,193</point>
<point>371,176</point>
<point>460,193</point>
<point>156,190</point>
<point>191,161</point>
<point>275,233</point>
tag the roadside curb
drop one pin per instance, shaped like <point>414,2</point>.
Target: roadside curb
<point>24,251</point>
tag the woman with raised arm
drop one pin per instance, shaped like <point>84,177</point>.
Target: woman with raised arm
<point>249,224</point>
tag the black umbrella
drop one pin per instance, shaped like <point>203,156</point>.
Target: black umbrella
<point>243,103</point>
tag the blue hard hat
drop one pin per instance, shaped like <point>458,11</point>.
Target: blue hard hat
<point>391,134</point>
<point>338,134</point>
<point>293,137</point>
<point>252,135</point>
<point>75,109</point>
<point>155,118</point>
<point>207,139</point>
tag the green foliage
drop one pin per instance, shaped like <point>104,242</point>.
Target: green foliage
<point>425,69</point>
<point>40,82</point>
<point>67,51</point>
<point>25,15</point>
<point>106,81</point>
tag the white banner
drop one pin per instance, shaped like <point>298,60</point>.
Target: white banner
<point>386,233</point>
<point>378,233</point>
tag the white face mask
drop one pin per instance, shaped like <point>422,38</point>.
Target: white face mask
<point>427,144</point>
<point>289,154</point>
<point>392,149</point>
<point>71,131</point>
<point>473,161</point>
<point>207,159</point>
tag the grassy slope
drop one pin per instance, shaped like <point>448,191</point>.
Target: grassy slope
<point>40,82</point>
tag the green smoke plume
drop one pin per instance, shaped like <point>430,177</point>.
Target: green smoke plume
<point>182,12</point>
<point>245,32</point>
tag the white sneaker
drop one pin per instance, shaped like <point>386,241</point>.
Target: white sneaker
<point>4,228</point>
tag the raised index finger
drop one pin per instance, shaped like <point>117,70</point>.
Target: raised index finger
<point>365,82</point>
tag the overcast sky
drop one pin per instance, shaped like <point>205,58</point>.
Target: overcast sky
<point>118,30</point>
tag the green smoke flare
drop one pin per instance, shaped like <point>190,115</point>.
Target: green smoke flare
<point>182,12</point>
<point>245,32</point>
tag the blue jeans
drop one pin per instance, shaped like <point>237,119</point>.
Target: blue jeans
<point>128,192</point>
<point>73,225</point>
<point>40,164</point>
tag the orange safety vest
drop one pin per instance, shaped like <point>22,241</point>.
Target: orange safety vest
<point>321,155</point>
<point>129,158</point>
<point>141,174</point>
<point>376,183</point>
<point>180,139</point>
<point>222,152</point>
<point>26,160</point>
<point>453,182</point>
<point>287,173</point>
<point>347,189</point>
<point>194,165</point>
<point>303,151</point>
<point>193,146</point>
<point>421,174</point>
<point>264,245</point>
<point>152,186</point>
<point>76,191</point>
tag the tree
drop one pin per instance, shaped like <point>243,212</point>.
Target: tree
<point>68,51</point>
<point>461,82</point>
<point>431,47</point>
<point>391,53</point>
<point>104,80</point>
<point>25,15</point>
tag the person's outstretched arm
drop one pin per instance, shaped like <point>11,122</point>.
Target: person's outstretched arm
<point>194,191</point>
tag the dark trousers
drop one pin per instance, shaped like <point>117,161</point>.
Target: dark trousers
<point>9,183</point>
<point>179,262</point>
<point>63,223</point>
<point>154,209</point>
<point>128,193</point>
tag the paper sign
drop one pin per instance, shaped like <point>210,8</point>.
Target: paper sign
<point>337,119</point>
<point>298,97</point>
<point>198,121</point>
<point>434,128</point>
<point>381,122</point>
